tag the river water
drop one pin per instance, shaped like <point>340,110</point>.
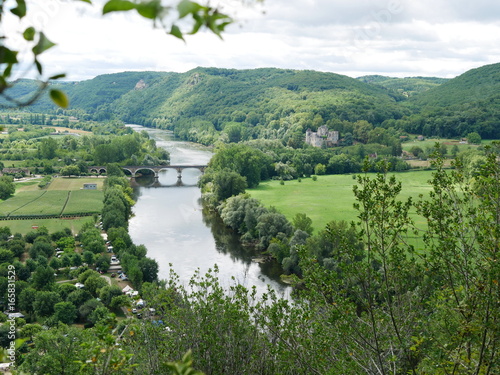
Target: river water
<point>171,223</point>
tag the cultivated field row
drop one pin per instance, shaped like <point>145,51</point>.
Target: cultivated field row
<point>52,203</point>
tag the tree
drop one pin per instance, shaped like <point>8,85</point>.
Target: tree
<point>270,225</point>
<point>88,257</point>
<point>228,183</point>
<point>149,268</point>
<point>65,290</point>
<point>26,300</point>
<point>103,263</point>
<point>234,131</point>
<point>107,293</point>
<point>41,247</point>
<point>100,315</point>
<point>65,312</point>
<point>119,301</point>
<point>45,302</point>
<point>320,169</point>
<point>462,241</point>
<point>7,187</point>
<point>78,297</point>
<point>47,148</point>
<point>114,169</point>
<point>30,330</point>
<point>61,348</point>
<point>94,283</point>
<point>248,162</point>
<point>70,170</point>
<point>43,278</point>
<point>417,151</point>
<point>474,138</point>
<point>303,222</point>
<point>6,256</point>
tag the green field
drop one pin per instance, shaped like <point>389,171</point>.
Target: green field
<point>53,225</point>
<point>49,203</point>
<point>63,197</point>
<point>330,197</point>
<point>74,183</point>
<point>84,201</point>
<point>18,201</point>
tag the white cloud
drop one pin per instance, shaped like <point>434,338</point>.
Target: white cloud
<point>353,37</point>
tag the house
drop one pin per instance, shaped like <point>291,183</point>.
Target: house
<point>323,137</point>
<point>90,186</point>
<point>15,171</point>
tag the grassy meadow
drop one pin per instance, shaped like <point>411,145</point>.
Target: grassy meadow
<point>331,197</point>
<point>74,183</point>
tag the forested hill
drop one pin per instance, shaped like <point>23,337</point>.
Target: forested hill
<point>204,103</point>
<point>224,95</point>
<point>163,98</point>
<point>472,86</point>
<point>467,103</point>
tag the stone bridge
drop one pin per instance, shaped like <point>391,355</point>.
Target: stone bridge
<point>156,169</point>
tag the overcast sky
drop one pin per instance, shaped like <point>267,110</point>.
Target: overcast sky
<point>399,38</point>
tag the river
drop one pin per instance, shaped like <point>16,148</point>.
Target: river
<point>171,223</point>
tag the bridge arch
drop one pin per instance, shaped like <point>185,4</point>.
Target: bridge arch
<point>143,168</point>
<point>97,170</point>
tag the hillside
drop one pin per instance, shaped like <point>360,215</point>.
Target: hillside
<point>216,94</point>
<point>474,85</point>
<point>465,104</point>
<point>408,86</point>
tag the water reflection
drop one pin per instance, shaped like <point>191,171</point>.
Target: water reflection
<point>177,230</point>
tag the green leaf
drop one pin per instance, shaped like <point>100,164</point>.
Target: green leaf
<point>197,25</point>
<point>59,98</point>
<point>29,33</point>
<point>151,9</point>
<point>118,6</point>
<point>20,10</point>
<point>58,76</point>
<point>186,7</point>
<point>38,66</point>
<point>6,73</point>
<point>86,1</point>
<point>175,31</point>
<point>7,56</point>
<point>43,45</point>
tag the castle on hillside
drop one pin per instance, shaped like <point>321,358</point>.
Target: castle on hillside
<point>323,137</point>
